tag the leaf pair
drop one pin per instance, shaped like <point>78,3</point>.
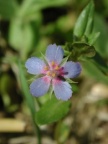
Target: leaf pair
<point>84,35</point>
<point>84,26</point>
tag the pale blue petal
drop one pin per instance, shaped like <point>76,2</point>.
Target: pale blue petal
<point>34,65</point>
<point>72,69</point>
<point>54,53</point>
<point>62,90</point>
<point>40,86</point>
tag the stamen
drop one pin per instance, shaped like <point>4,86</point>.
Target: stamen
<point>53,74</point>
<point>46,68</point>
<point>53,63</point>
<point>53,71</point>
<point>49,73</point>
<point>56,68</point>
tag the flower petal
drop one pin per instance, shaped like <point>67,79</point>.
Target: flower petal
<point>72,69</point>
<point>34,65</point>
<point>40,86</point>
<point>62,90</point>
<point>54,53</point>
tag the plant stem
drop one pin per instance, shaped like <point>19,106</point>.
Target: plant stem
<point>29,100</point>
<point>37,129</point>
<point>38,134</point>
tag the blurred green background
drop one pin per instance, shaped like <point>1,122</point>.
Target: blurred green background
<point>26,28</point>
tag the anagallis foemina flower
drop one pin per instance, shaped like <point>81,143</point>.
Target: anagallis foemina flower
<point>53,73</point>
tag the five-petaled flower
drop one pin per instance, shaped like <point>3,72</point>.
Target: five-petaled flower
<point>53,73</point>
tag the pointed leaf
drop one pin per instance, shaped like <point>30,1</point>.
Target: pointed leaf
<point>93,37</point>
<point>84,24</point>
<point>102,41</point>
<point>52,111</point>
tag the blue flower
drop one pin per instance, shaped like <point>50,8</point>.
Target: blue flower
<point>53,73</point>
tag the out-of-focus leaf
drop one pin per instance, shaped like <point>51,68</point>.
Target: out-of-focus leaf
<point>53,110</point>
<point>92,70</point>
<point>4,89</point>
<point>7,84</point>
<point>8,8</point>
<point>32,6</point>
<point>62,132</point>
<point>93,37</point>
<point>84,24</point>
<point>23,36</point>
<point>101,63</point>
<point>102,41</point>
<point>28,97</point>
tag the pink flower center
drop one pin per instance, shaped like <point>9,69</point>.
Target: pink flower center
<point>53,70</point>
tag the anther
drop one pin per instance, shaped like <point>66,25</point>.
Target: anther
<point>53,74</point>
<point>46,68</point>
<point>53,63</point>
<point>49,73</point>
<point>56,68</point>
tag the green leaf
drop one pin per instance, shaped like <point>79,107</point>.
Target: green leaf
<point>5,88</point>
<point>101,63</point>
<point>52,111</point>
<point>92,70</point>
<point>70,81</point>
<point>102,42</point>
<point>44,58</point>
<point>64,60</point>
<point>62,132</point>
<point>29,7</point>
<point>93,37</point>
<point>23,36</point>
<point>84,24</point>
<point>8,8</point>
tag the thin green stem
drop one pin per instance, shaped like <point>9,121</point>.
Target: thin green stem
<point>37,129</point>
<point>38,134</point>
<point>29,101</point>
